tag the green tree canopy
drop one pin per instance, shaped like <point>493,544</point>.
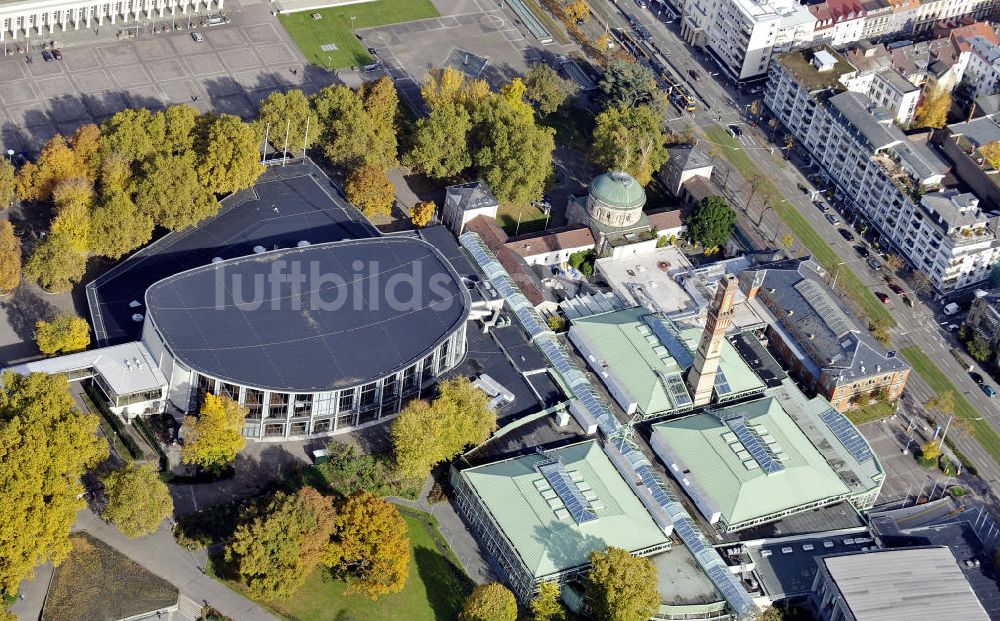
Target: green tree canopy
<point>287,111</point>
<point>179,129</point>
<point>117,227</point>
<point>231,159</point>
<point>943,402</point>
<point>370,548</point>
<point>46,445</point>
<point>359,127</point>
<point>427,433</point>
<point>512,153</point>
<point>712,222</point>
<point>55,265</point>
<point>621,587</point>
<point>545,88</point>
<point>382,107</point>
<point>545,606</point>
<point>65,334</point>
<point>489,602</point>
<point>134,134</point>
<point>10,258</point>
<point>629,84</point>
<point>215,437</point>
<point>441,142</point>
<point>138,499</point>
<point>274,549</point>
<point>630,139</point>
<point>170,192</point>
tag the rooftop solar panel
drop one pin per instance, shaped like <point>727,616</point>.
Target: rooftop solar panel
<point>722,384</point>
<point>824,306</point>
<point>847,434</point>
<point>754,444</point>
<point>671,339</point>
<point>555,473</point>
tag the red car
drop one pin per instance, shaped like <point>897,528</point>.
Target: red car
<point>883,298</point>
<point>897,289</point>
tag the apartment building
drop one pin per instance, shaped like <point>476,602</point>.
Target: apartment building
<point>744,34</point>
<point>933,11</point>
<point>984,316</point>
<point>961,144</point>
<point>982,75</point>
<point>838,22</point>
<point>891,180</point>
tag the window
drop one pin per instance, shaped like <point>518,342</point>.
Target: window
<point>299,428</point>
<point>272,430</point>
<point>278,407</point>
<point>346,400</point>
<point>368,394</point>
<point>254,402</point>
<point>230,390</point>
<point>321,426</point>
<point>302,406</point>
<point>390,386</point>
<point>409,380</point>
<point>324,403</point>
<point>345,419</point>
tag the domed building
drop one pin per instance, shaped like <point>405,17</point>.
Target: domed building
<point>612,210</point>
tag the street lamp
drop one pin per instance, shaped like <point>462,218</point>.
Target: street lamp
<point>10,155</point>
<point>353,17</point>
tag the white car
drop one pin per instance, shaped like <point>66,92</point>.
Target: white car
<point>197,37</point>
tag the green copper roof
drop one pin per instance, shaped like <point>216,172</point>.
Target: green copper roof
<point>546,544</point>
<point>618,190</point>
<point>707,449</point>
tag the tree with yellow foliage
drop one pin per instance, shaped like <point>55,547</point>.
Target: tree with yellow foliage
<point>86,145</point>
<point>55,265</point>
<point>930,450</point>
<point>63,335</point>
<point>545,606</point>
<point>10,258</point>
<point>57,162</point>
<point>422,213</point>
<point>369,548</point>
<point>489,602</point>
<point>74,198</point>
<point>7,184</point>
<point>370,190</point>
<point>214,438</point>
<point>990,151</point>
<point>621,586</point>
<point>138,499</point>
<point>933,112</point>
<point>46,445</point>
<point>578,10</point>
<point>448,85</point>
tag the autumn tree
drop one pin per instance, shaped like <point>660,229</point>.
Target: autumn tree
<point>621,587</point>
<point>46,445</point>
<point>359,127</point>
<point>86,145</point>
<point>369,548</point>
<point>512,153</point>
<point>630,139</point>
<point>138,499</point>
<point>116,174</point>
<point>933,111</point>
<point>170,192</point>
<point>427,433</point>
<point>943,402</point>
<point>63,335</point>
<point>489,602</point>
<point>369,188</point>
<point>577,10</point>
<point>629,84</point>
<point>930,450</point>
<point>450,86</point>
<point>441,142</point>
<point>214,438</point>
<point>712,222</point>
<point>55,265</point>
<point>545,606</point>
<point>990,152</point>
<point>230,160</point>
<point>10,258</point>
<point>180,122</point>
<point>134,134</point>
<point>422,213</point>
<point>7,184</point>
<point>57,162</point>
<point>880,330</point>
<point>274,549</point>
<point>287,113</point>
<point>73,200</point>
<point>545,88</point>
<point>381,102</point>
<point>117,227</point>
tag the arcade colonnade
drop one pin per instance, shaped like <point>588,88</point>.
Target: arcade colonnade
<point>30,18</point>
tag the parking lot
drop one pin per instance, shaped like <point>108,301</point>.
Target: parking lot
<point>482,27</point>
<point>905,479</point>
<point>236,66</point>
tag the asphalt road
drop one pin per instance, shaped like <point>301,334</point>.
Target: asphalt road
<point>921,326</point>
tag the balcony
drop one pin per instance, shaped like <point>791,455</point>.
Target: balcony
<point>899,176</point>
<point>966,237</point>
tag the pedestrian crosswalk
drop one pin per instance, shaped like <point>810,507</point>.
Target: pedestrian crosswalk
<point>188,609</point>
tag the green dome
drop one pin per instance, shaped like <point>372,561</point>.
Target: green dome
<point>618,190</point>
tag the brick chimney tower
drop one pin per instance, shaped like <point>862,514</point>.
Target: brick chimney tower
<point>701,376</point>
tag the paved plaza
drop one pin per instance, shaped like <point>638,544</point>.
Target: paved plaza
<point>236,66</point>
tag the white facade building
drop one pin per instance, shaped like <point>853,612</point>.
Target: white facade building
<point>745,33</point>
<point>932,11</point>
<point>889,179</point>
<point>890,90</point>
<point>982,75</point>
<point>29,18</point>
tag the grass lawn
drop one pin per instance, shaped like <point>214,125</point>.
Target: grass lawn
<point>848,281</point>
<point>435,589</point>
<point>982,431</point>
<point>573,125</point>
<point>532,219</point>
<point>335,27</point>
<point>875,411</point>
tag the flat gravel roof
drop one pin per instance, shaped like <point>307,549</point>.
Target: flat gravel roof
<point>362,309</point>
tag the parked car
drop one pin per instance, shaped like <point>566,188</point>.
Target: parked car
<point>874,264</point>
<point>47,56</point>
<point>821,206</point>
<point>197,37</point>
<point>862,252</point>
<point>832,219</point>
<point>847,235</point>
<point>951,308</point>
<point>57,54</point>
<point>882,297</point>
<point>951,327</point>
<point>694,74</point>
<point>897,289</point>
<point>988,390</point>
<point>977,378</point>
<point>734,131</point>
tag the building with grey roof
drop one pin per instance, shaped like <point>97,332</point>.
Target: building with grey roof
<point>889,585</point>
<point>883,175</point>
<point>818,338</point>
<point>464,202</point>
<point>961,143</point>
